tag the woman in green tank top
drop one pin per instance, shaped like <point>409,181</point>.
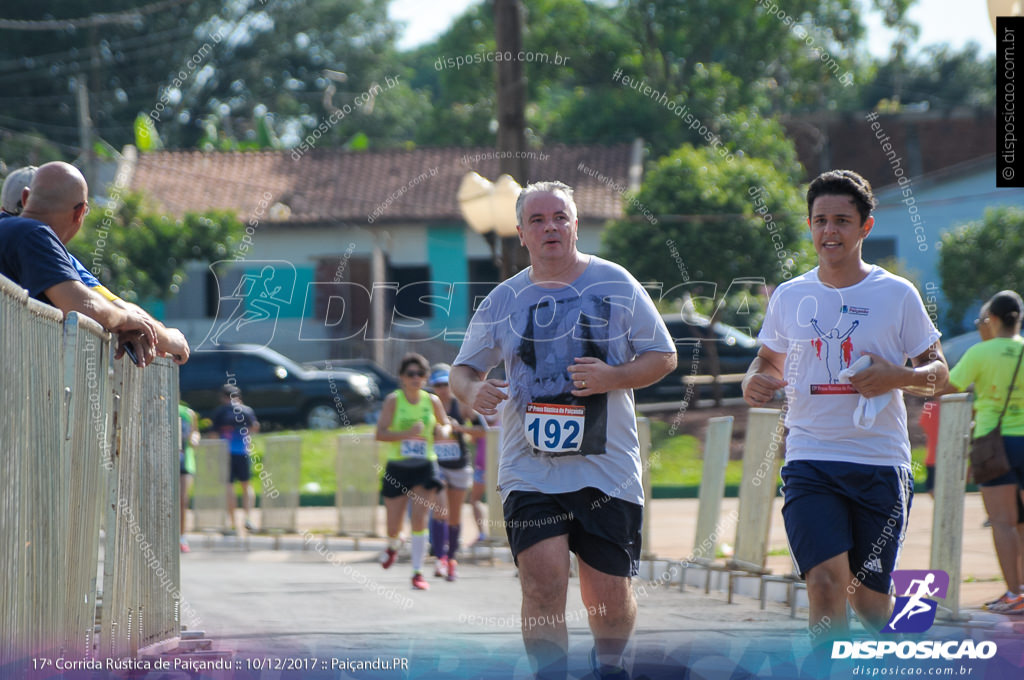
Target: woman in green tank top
<point>409,420</point>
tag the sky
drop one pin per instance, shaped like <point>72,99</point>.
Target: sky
<point>952,21</point>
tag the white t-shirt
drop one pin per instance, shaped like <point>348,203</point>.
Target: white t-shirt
<point>822,330</point>
<point>552,441</point>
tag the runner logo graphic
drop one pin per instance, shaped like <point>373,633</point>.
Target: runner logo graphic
<point>257,291</point>
<point>914,611</point>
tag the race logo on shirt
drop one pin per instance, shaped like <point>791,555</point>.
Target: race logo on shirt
<point>835,348</point>
<point>855,311</point>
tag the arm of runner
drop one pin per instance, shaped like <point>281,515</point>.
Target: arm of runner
<point>444,426</point>
<point>471,387</point>
<point>591,376</point>
<point>928,377</point>
<point>764,377</point>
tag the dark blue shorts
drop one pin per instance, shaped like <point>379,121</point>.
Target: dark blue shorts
<point>833,508</point>
<point>1015,452</point>
<point>239,470</point>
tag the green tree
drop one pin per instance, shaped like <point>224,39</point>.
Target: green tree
<point>140,254</point>
<point>942,78</point>
<point>981,258</point>
<point>706,226</point>
<point>724,218</point>
<point>234,63</point>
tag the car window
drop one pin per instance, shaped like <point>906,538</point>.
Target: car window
<point>204,371</point>
<point>253,368</point>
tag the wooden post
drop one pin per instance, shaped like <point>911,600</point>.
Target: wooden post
<point>643,430</point>
<point>712,487</point>
<point>950,479</point>
<point>761,450</point>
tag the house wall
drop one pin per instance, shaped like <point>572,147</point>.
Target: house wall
<point>943,205</point>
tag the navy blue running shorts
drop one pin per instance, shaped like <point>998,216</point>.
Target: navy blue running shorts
<point>832,508</point>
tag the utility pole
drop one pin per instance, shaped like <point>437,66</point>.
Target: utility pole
<point>508,22</point>
<point>85,135</point>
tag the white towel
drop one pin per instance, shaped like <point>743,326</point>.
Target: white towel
<point>867,409</point>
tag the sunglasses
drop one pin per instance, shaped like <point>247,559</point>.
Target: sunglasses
<point>414,374</point>
<point>79,205</point>
<point>978,322</point>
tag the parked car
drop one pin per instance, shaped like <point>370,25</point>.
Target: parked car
<point>281,391</point>
<point>387,382</point>
<point>735,348</point>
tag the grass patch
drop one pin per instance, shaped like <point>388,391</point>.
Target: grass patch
<point>675,461</point>
<point>678,460</point>
<point>319,450</point>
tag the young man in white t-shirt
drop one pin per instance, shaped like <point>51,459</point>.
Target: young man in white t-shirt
<point>847,478</point>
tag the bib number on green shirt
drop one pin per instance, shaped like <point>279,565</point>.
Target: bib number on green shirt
<point>413,448</point>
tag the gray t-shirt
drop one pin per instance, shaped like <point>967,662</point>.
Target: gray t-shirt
<point>551,441</point>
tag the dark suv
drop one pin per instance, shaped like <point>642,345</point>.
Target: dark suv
<point>279,390</point>
<point>735,348</point>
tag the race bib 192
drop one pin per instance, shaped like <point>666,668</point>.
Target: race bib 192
<point>413,448</point>
<point>555,428</point>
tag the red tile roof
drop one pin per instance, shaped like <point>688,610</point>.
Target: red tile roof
<point>331,186</point>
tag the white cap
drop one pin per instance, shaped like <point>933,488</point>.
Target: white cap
<point>15,184</point>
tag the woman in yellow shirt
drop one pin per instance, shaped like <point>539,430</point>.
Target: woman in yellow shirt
<point>989,366</point>
<point>409,420</point>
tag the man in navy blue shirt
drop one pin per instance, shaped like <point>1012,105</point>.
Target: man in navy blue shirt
<point>32,254</point>
<point>14,196</point>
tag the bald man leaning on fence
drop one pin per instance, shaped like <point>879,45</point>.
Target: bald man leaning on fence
<point>14,196</point>
<point>33,255</point>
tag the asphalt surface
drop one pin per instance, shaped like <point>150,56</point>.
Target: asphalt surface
<point>315,609</point>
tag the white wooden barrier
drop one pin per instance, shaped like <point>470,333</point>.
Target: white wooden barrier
<point>358,477</point>
<point>712,488</point>
<point>280,473</point>
<point>762,448</point>
<point>950,480</point>
<point>209,490</point>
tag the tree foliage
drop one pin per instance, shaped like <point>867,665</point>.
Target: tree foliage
<point>724,218</point>
<point>981,258</point>
<point>941,79</point>
<point>140,254</point>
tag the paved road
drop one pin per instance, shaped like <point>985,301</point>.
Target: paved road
<point>337,606</point>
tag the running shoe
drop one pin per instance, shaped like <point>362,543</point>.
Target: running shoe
<point>480,542</point>
<point>250,527</point>
<point>990,603</point>
<point>183,544</point>
<point>441,567</point>
<point>1015,607</point>
<point>388,558</point>
<point>419,583</point>
<point>452,565</point>
<point>602,672</point>
<point>1000,605</point>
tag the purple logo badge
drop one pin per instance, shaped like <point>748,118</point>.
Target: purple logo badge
<point>914,611</point>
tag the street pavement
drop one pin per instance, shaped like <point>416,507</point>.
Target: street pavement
<point>318,607</point>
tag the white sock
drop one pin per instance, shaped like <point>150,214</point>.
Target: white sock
<point>395,543</point>
<point>419,549</point>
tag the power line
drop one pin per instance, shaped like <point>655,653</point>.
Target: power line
<point>130,16</point>
<point>114,45</point>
